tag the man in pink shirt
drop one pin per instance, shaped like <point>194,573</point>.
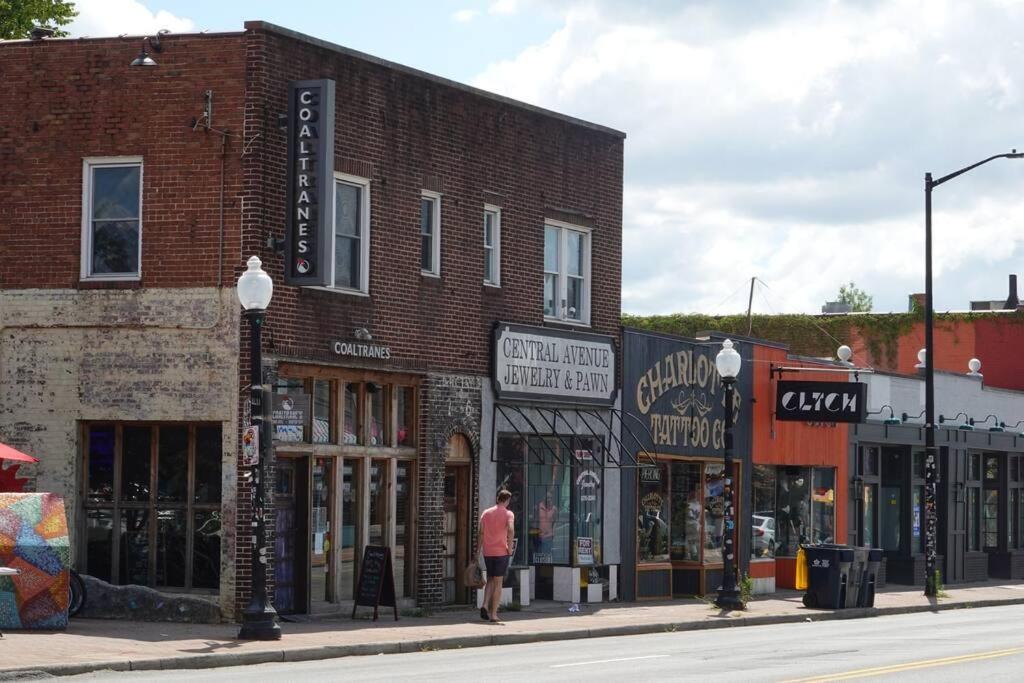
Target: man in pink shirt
<point>497,529</point>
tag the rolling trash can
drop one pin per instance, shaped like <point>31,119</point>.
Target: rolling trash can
<point>858,568</point>
<point>828,575</point>
<point>866,596</point>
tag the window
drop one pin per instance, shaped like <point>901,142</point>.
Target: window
<point>351,233</point>
<point>112,218</point>
<point>653,532</point>
<point>430,233</point>
<point>492,245</point>
<point>149,489</point>
<point>566,273</point>
<point>687,511</point>
<point>762,527</point>
<point>974,502</point>
<point>805,512</point>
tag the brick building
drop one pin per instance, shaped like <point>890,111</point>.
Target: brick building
<point>130,196</point>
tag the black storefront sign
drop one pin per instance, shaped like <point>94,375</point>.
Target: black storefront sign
<point>310,180</point>
<point>800,401</point>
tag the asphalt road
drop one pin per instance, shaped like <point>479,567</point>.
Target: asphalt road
<point>982,644</point>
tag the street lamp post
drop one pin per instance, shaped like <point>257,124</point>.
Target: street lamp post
<point>728,362</point>
<point>259,619</point>
<point>930,454</point>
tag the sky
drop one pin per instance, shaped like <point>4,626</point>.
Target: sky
<point>785,141</point>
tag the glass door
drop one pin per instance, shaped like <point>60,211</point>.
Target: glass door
<point>321,501</point>
<point>351,524</point>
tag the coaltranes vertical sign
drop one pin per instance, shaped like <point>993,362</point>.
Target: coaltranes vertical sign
<point>310,183</point>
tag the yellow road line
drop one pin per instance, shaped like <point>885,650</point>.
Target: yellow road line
<point>895,668</point>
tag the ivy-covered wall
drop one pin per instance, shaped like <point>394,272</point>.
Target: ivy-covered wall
<point>876,338</point>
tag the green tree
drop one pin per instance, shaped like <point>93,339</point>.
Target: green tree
<point>859,300</point>
<point>17,17</point>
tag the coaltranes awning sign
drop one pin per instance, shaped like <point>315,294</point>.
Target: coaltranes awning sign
<point>310,183</point>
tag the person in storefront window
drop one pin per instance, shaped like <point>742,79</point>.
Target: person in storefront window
<point>547,514</point>
<point>693,508</point>
<point>496,534</point>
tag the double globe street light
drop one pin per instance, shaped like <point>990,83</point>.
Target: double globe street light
<point>259,619</point>
<point>728,362</point>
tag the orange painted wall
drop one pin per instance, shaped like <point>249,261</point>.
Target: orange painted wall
<point>797,443</point>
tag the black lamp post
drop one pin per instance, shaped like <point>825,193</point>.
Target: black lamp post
<point>728,362</point>
<point>931,460</point>
<point>259,619</point>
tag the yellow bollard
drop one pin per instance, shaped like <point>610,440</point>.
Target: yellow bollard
<point>801,570</point>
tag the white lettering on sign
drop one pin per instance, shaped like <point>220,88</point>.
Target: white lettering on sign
<point>361,350</point>
<point>533,362</point>
<point>818,401</point>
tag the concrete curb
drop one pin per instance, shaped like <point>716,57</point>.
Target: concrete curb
<point>223,659</point>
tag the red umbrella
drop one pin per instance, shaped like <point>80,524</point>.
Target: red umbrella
<point>8,453</point>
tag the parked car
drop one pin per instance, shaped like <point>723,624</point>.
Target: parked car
<point>763,535</point>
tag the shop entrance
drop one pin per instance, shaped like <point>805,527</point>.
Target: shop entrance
<point>456,519</point>
<point>321,572</point>
<point>290,577</point>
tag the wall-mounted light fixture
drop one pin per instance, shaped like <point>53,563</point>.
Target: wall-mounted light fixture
<point>973,366</point>
<point>154,44</point>
<point>905,417</point>
<point>892,419</point>
<point>966,425</point>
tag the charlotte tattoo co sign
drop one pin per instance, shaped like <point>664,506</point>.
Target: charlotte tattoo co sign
<point>820,401</point>
<point>310,183</point>
<point>544,364</point>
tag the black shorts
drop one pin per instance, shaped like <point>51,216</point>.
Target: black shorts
<point>496,566</point>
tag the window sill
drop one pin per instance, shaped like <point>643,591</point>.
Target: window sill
<point>492,285</point>
<point>340,290</point>
<point>554,322</point>
<point>97,283</point>
<point>427,273</point>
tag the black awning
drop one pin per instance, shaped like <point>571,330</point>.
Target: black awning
<point>553,423</point>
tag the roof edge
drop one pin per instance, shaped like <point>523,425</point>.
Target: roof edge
<point>334,47</point>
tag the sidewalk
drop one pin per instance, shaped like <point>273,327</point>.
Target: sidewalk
<point>92,645</point>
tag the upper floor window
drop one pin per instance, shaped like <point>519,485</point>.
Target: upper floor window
<point>566,272</point>
<point>351,233</point>
<point>492,245</point>
<point>112,218</point>
<point>430,233</point>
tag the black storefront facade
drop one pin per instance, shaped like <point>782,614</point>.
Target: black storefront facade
<point>672,508</point>
<point>979,499</point>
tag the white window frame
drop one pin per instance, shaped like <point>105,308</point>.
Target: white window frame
<point>495,248</point>
<point>88,164</point>
<point>563,275</point>
<point>435,259</point>
<point>364,234</point>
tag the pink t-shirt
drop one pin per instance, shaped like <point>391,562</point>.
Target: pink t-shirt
<point>494,523</point>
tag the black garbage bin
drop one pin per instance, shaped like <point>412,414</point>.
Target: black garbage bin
<point>866,596</point>
<point>828,570</point>
<point>856,578</point>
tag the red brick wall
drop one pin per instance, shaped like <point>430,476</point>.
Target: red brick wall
<point>63,100</point>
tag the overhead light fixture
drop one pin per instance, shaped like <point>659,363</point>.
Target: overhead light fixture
<point>154,44</point>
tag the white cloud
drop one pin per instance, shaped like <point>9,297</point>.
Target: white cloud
<point>113,17</point>
<point>789,141</point>
<point>464,16</point>
<point>504,7</point>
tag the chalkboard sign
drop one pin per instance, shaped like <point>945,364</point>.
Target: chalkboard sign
<point>376,581</point>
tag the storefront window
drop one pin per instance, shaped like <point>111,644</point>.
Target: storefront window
<point>589,503</point>
<point>990,519</point>
<point>404,511</point>
<point>823,504</point>
<point>151,525</point>
<point>291,387</point>
<point>512,457</point>
<point>378,502</point>
<point>687,508</point>
<point>549,503</point>
<point>917,510</point>
<point>762,524</point>
<point>351,506</point>
<point>352,435</point>
<point>714,512</point>
<point>322,411</point>
<point>870,515</point>
<point>406,416</point>
<point>375,396</point>
<point>653,530</point>
<point>972,518</point>
<point>794,517</point>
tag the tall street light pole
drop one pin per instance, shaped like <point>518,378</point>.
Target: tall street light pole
<point>930,454</point>
<point>259,619</point>
<point>728,363</point>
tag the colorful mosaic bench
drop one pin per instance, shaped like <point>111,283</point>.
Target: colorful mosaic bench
<point>34,540</point>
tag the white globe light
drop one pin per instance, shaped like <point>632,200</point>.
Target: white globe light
<point>728,361</point>
<point>255,287</point>
<point>921,355</point>
<point>974,365</point>
<point>844,353</point>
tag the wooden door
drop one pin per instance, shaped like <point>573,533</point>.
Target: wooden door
<point>455,551</point>
<point>291,564</point>
<point>952,510</point>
